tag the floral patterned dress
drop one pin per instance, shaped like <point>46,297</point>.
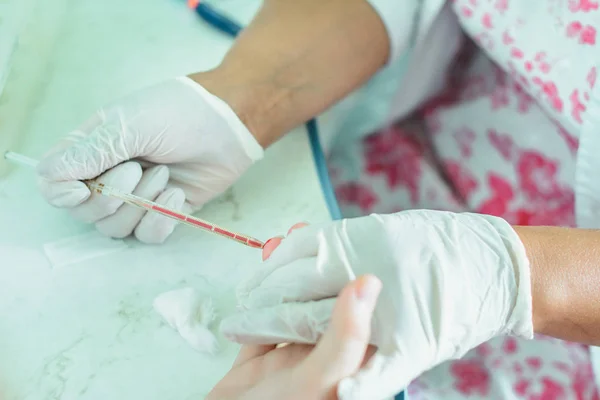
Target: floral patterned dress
<point>501,139</point>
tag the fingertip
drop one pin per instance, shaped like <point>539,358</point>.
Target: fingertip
<point>156,228</point>
<point>344,345</point>
<point>118,232</point>
<point>367,289</point>
<point>146,232</point>
<point>272,244</point>
<point>124,177</point>
<point>355,306</point>
<point>353,312</point>
<point>133,170</point>
<point>270,247</point>
<point>299,225</point>
<point>64,194</point>
<point>175,199</point>
<point>123,222</point>
<point>74,198</point>
<point>160,173</point>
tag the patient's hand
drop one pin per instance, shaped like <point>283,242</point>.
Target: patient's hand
<point>298,371</point>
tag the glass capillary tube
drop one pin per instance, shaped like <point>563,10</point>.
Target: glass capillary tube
<point>150,206</point>
<point>21,159</point>
<point>180,217</point>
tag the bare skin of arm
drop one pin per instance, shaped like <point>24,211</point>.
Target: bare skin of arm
<point>565,280</point>
<point>296,59</point>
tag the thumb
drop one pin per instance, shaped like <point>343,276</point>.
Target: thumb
<point>87,152</point>
<point>342,349</point>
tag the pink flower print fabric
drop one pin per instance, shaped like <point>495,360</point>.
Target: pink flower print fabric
<point>501,139</point>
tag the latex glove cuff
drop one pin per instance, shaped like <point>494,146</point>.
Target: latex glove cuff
<point>245,138</point>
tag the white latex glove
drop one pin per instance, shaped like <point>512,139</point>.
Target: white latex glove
<point>174,143</point>
<point>450,283</point>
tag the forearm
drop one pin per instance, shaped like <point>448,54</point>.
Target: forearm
<point>565,275</point>
<point>296,59</point>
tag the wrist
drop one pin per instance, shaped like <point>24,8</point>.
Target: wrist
<point>548,295</point>
<point>256,104</point>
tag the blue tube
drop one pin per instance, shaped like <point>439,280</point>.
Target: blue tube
<point>322,171</point>
<point>226,25</point>
<point>217,20</point>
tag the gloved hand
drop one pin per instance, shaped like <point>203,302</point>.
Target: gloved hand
<point>174,143</point>
<point>450,283</point>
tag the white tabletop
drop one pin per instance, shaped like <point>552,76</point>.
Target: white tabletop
<point>88,330</point>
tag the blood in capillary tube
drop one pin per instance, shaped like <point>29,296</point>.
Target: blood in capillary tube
<point>250,242</point>
<point>169,212</point>
<point>200,224</point>
<point>255,244</point>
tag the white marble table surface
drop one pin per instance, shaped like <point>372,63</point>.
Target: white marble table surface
<point>88,330</point>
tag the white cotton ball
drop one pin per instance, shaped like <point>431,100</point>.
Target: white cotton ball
<point>200,338</point>
<point>208,314</point>
<point>187,312</point>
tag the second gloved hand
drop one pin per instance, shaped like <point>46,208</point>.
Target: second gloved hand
<point>450,283</point>
<point>174,143</point>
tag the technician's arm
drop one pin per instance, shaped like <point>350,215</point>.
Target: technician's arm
<point>296,59</point>
<point>195,139</point>
<point>565,281</point>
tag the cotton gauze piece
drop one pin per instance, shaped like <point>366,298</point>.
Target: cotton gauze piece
<point>191,315</point>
